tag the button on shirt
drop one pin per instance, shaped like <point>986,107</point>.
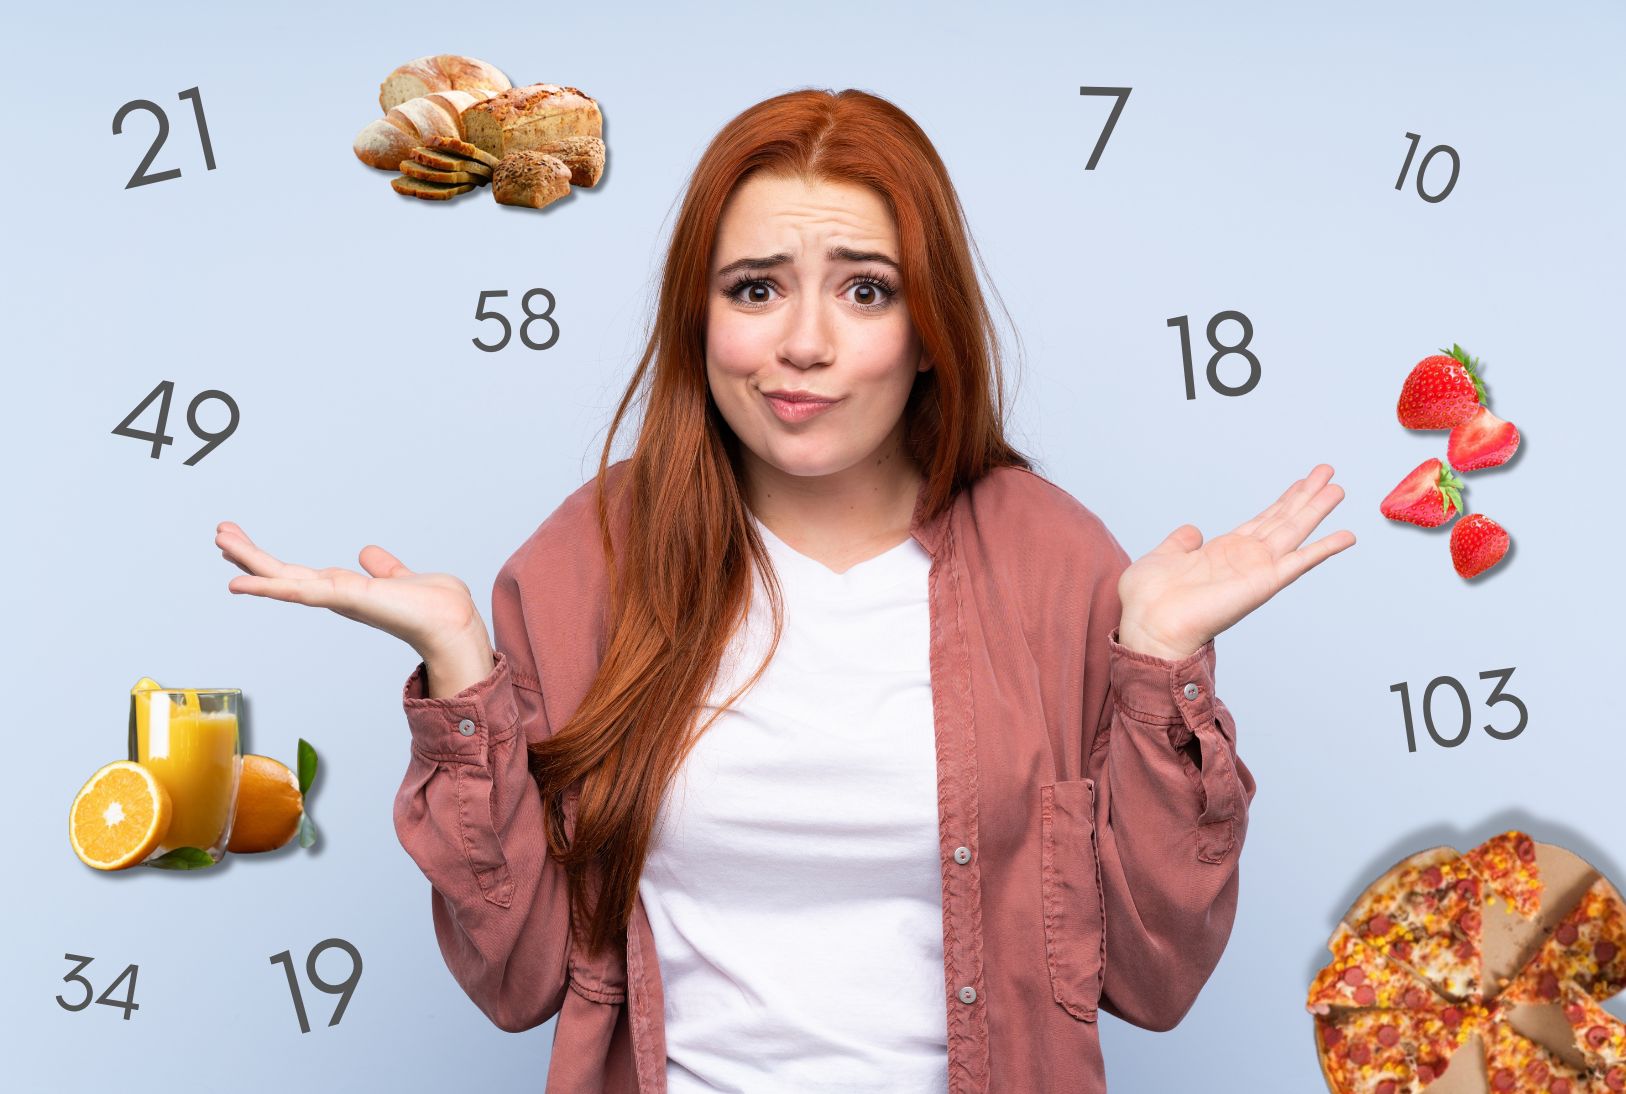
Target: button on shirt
<point>793,886</point>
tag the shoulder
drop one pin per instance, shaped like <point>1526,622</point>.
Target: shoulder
<point>1022,510</point>
<point>566,547</point>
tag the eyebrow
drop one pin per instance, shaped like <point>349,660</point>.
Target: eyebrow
<point>834,254</point>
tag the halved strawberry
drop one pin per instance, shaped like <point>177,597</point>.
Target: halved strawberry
<point>1482,441</point>
<point>1441,391</point>
<point>1430,496</point>
<point>1477,544</point>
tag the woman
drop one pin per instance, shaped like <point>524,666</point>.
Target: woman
<point>962,777</point>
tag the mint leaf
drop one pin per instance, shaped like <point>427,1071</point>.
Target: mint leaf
<point>307,765</point>
<point>182,858</point>
<point>307,830</point>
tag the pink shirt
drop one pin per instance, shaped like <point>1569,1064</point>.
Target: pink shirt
<point>1091,804</point>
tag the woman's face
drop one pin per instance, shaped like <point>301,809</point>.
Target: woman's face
<point>806,296</point>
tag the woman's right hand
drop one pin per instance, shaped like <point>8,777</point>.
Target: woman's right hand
<point>432,613</point>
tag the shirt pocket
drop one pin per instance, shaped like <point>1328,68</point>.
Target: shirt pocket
<point>1070,887</point>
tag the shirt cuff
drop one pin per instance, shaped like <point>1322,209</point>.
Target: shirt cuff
<point>460,727</point>
<point>1164,691</point>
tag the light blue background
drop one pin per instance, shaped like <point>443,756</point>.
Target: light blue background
<point>1253,168</point>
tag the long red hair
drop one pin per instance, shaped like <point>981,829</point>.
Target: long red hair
<point>684,579</point>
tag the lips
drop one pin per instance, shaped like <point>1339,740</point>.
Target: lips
<point>790,408</point>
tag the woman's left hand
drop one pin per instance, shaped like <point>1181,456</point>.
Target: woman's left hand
<point>1184,591</point>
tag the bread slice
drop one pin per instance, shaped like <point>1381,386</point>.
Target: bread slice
<point>383,145</point>
<point>445,161</point>
<point>441,72</point>
<point>433,191</point>
<point>583,155</point>
<point>455,102</point>
<point>413,169</point>
<point>530,178</point>
<point>461,148</point>
<point>529,117</point>
<point>426,117</point>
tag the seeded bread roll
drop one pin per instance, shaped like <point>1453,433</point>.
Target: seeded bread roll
<point>583,155</point>
<point>530,117</point>
<point>530,178</point>
<point>442,72</point>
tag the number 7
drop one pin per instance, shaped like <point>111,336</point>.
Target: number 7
<point>1122,94</point>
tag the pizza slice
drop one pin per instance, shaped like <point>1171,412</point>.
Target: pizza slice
<point>1360,976</point>
<point>1426,913</point>
<point>1382,1051</point>
<point>1507,865</point>
<point>1588,946</point>
<point>1514,1063</point>
<point>1600,1035</point>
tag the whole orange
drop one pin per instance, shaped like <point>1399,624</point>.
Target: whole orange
<point>269,806</point>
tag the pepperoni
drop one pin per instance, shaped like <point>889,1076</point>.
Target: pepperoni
<point>1605,951</point>
<point>1388,1036</point>
<point>1616,1078</point>
<point>1387,1086</point>
<point>1426,1073</point>
<point>1560,1086</point>
<point>1432,878</point>
<point>1566,934</point>
<point>1504,1079</point>
<point>1575,1013</point>
<point>1547,986</point>
<point>1468,888</point>
<point>1596,1036</point>
<point>1331,1035</point>
<point>1365,996</point>
<point>1361,1053</point>
<point>1470,921</point>
<point>1416,998</point>
<point>1537,1071</point>
<point>1379,924</point>
<point>1451,1016</point>
<point>1465,950</point>
<point>1354,977</point>
<point>1525,848</point>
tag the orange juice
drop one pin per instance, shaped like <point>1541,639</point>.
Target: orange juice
<point>191,747</point>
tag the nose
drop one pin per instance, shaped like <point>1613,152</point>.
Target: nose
<point>807,338</point>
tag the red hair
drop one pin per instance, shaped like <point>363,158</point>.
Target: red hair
<point>684,579</point>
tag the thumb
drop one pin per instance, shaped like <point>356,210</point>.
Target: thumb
<point>380,563</point>
<point>1183,539</point>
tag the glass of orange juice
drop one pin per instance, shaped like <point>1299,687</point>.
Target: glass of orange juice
<point>188,739</point>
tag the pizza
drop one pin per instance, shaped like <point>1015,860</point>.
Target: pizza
<point>1516,1064</point>
<point>1360,976</point>
<point>1588,946</point>
<point>1600,1035</point>
<point>1426,914</point>
<point>1507,864</point>
<point>1373,1050</point>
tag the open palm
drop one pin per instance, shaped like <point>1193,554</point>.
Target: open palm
<point>427,611</point>
<point>1184,591</point>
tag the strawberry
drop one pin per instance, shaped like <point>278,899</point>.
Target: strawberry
<point>1430,496</point>
<point>1482,441</point>
<point>1477,544</point>
<point>1441,391</point>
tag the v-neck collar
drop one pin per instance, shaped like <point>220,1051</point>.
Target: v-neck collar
<point>890,567</point>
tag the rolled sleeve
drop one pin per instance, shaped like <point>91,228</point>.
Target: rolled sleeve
<point>460,728</point>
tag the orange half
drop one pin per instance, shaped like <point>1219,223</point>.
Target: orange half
<point>119,816</point>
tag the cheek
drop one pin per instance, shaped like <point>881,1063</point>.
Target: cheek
<point>735,346</point>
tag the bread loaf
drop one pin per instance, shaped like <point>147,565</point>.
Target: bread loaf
<point>387,141</point>
<point>529,117</point>
<point>583,155</point>
<point>530,178</point>
<point>443,72</point>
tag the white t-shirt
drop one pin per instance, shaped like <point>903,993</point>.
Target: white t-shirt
<point>793,885</point>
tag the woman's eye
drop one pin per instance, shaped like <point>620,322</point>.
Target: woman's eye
<point>870,294</point>
<point>751,292</point>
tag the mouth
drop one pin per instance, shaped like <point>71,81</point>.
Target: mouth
<point>798,409</point>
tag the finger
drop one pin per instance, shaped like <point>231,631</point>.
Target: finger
<point>1305,489</point>
<point>380,563</point>
<point>240,549</point>
<point>317,592</point>
<point>1290,531</point>
<point>1182,540</point>
<point>1295,563</point>
<point>1267,512</point>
